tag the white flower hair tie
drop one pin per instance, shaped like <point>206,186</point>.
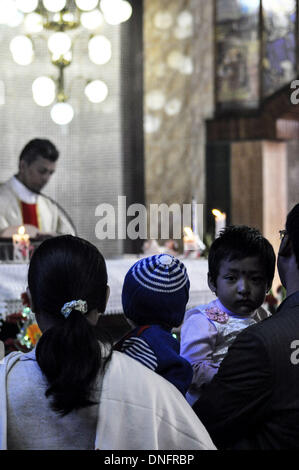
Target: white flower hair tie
<point>80,305</point>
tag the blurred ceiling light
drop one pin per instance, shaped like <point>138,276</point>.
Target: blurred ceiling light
<point>21,48</point>
<point>99,50</point>
<point>185,19</point>
<point>155,100</point>
<point>59,43</point>
<point>26,6</point>
<point>107,5</point>
<point>33,23</point>
<point>62,113</point>
<point>92,19</point>
<point>54,5</point>
<point>44,91</point>
<point>96,91</point>
<point>186,67</point>
<point>9,14</point>
<point>163,20</point>
<point>151,124</point>
<point>59,17</point>
<point>175,59</point>
<point>116,11</point>
<point>173,107</point>
<point>86,5</point>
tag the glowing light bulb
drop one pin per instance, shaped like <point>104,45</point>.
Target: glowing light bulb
<point>91,19</point>
<point>9,14</point>
<point>59,43</point>
<point>86,5</point>
<point>33,23</point>
<point>99,49</point>
<point>22,50</point>
<point>54,5</point>
<point>116,14</point>
<point>26,6</point>
<point>96,91</point>
<point>43,90</point>
<point>62,113</point>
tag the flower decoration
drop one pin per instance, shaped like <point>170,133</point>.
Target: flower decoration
<point>33,333</point>
<point>29,332</point>
<point>215,314</point>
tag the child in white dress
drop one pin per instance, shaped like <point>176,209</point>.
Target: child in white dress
<point>241,270</point>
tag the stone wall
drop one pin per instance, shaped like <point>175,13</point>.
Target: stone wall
<point>178,97</point>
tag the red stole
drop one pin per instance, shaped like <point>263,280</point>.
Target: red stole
<point>29,213</point>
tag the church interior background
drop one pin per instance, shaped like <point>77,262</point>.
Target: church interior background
<point>199,107</point>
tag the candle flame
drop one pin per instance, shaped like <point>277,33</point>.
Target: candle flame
<point>189,235</point>
<point>188,231</point>
<point>21,230</point>
<point>218,214</point>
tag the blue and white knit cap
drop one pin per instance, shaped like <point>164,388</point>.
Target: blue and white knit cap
<point>156,291</point>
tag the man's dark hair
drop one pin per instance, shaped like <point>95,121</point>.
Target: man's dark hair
<point>292,228</point>
<point>39,148</point>
<point>238,242</point>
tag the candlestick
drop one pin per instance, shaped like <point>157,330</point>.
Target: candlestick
<point>21,245</point>
<point>220,221</point>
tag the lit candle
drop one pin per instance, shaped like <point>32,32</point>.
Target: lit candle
<point>192,243</point>
<point>220,221</point>
<point>21,245</point>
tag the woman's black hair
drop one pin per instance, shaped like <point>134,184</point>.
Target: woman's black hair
<point>63,269</point>
<point>237,242</point>
<point>292,228</point>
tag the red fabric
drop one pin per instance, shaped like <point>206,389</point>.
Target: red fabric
<point>29,213</point>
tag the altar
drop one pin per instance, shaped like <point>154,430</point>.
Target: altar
<point>13,282</point>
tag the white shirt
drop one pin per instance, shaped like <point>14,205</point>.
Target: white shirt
<point>23,192</point>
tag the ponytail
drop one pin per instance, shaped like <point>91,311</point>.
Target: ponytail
<point>69,355</point>
<point>67,278</point>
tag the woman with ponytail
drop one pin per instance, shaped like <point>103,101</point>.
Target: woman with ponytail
<point>71,392</point>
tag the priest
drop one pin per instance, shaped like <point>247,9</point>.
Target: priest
<point>21,201</point>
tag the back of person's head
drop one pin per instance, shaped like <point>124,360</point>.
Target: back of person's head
<point>39,148</point>
<point>236,242</point>
<point>292,228</point>
<point>65,269</point>
<point>156,291</point>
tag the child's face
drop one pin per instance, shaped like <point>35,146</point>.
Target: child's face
<point>241,285</point>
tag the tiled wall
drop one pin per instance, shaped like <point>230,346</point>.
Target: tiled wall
<point>89,168</point>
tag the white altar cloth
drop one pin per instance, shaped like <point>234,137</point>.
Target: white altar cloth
<point>13,281</point>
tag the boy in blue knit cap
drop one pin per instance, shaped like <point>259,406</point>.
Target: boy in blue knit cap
<point>154,297</point>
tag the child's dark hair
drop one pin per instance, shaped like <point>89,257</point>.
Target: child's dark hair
<point>237,242</point>
<point>63,269</point>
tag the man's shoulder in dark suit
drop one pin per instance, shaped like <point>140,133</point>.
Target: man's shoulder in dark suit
<point>253,401</point>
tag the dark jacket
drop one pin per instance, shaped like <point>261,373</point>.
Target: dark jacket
<point>156,348</point>
<point>253,400</point>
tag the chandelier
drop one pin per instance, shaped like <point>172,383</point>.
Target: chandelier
<point>60,22</point>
